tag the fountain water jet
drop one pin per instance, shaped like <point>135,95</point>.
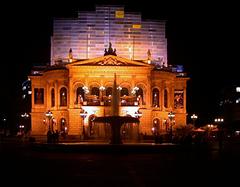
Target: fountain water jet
<point>115,120</point>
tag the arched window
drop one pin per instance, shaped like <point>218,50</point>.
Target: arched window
<point>63,97</point>
<point>155,97</point>
<point>109,91</point>
<point>95,91</point>
<point>156,126</point>
<point>38,96</point>
<point>80,95</point>
<point>139,94</point>
<point>165,98</point>
<point>124,91</point>
<point>52,97</point>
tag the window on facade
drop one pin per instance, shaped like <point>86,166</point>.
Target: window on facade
<point>80,95</point>
<point>124,91</point>
<point>63,97</point>
<point>155,97</point>
<point>52,97</point>
<point>165,98</point>
<point>139,94</point>
<point>178,99</point>
<point>109,91</point>
<point>95,91</point>
<point>38,96</point>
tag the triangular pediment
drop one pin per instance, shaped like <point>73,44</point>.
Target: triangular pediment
<point>108,60</point>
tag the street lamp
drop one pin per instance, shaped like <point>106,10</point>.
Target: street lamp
<point>4,126</point>
<point>49,115</point>
<point>210,128</point>
<point>21,129</point>
<point>219,122</point>
<point>138,115</point>
<point>25,116</point>
<point>83,115</point>
<point>171,116</point>
<point>194,117</point>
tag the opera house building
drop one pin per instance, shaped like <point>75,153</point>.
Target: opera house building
<point>86,52</point>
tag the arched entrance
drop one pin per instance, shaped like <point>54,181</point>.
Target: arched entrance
<point>63,127</point>
<point>156,126</point>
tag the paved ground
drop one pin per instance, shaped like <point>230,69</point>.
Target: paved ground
<point>129,165</point>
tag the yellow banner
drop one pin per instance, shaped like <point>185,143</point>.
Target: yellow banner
<point>119,14</point>
<point>136,26</point>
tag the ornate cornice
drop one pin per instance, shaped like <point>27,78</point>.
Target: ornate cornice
<point>109,60</point>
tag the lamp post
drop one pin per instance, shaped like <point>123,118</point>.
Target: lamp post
<point>4,126</point>
<point>219,122</point>
<point>83,115</point>
<point>49,115</point>
<point>194,117</point>
<point>138,115</point>
<point>171,116</point>
<point>25,116</point>
<point>210,128</point>
<point>21,129</point>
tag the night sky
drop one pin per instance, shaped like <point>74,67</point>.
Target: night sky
<point>202,36</point>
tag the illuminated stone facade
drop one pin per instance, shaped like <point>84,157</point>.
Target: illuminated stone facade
<point>75,91</point>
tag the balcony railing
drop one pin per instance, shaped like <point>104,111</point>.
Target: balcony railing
<point>93,100</point>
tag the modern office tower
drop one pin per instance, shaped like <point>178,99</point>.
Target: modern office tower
<point>89,33</point>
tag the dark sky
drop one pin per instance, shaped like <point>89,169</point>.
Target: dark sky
<point>202,36</point>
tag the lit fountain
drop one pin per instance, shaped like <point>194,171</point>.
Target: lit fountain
<point>115,120</point>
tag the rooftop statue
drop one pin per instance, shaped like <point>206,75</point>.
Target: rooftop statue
<point>110,50</point>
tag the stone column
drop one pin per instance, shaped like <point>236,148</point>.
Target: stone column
<point>56,95</point>
<point>184,99</point>
<point>148,98</point>
<point>171,96</point>
<point>71,93</point>
<point>47,99</point>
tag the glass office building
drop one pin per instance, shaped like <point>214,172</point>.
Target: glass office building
<point>90,32</point>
